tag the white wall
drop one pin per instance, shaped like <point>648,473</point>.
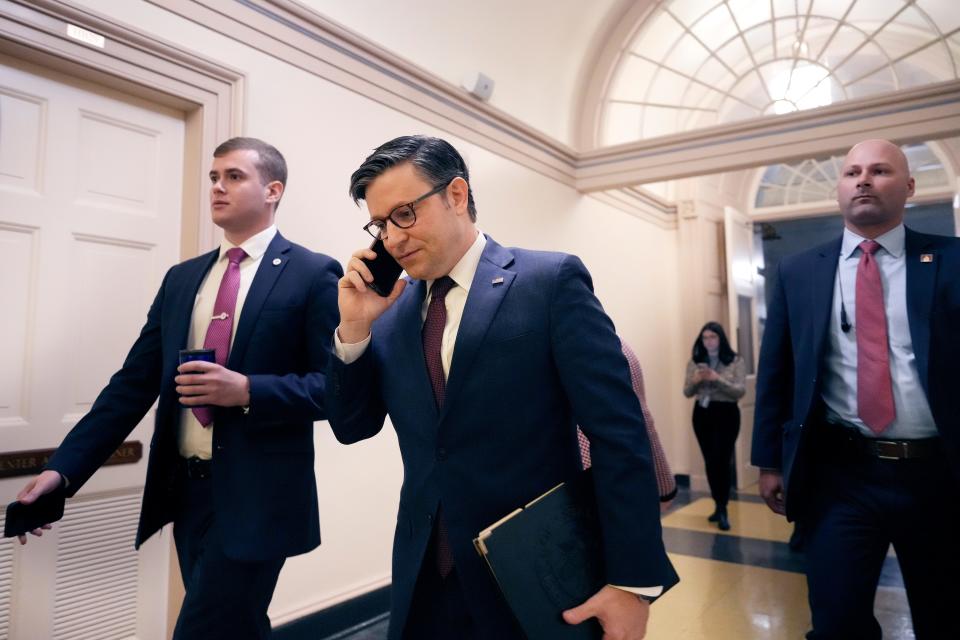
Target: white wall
<point>325,132</point>
<point>532,49</point>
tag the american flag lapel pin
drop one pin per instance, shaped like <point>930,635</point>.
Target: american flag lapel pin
<point>926,257</point>
<point>496,281</point>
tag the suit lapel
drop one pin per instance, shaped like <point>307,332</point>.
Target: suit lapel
<point>409,342</point>
<point>921,278</point>
<point>821,292</point>
<point>488,289</point>
<point>263,281</point>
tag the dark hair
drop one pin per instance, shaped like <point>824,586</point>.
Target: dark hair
<point>270,163</point>
<point>727,354</point>
<point>435,160</point>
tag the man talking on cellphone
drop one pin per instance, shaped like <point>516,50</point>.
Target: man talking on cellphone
<point>485,361</point>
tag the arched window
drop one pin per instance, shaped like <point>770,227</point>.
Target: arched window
<point>696,63</point>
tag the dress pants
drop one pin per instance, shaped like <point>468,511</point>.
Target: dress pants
<point>717,427</point>
<point>225,598</point>
<point>439,608</point>
<point>857,506</point>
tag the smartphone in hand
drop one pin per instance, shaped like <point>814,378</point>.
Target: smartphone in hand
<point>384,268</point>
<point>23,518</point>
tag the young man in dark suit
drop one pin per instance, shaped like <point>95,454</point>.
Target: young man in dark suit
<point>268,309</point>
<point>857,433</point>
<point>485,361</point>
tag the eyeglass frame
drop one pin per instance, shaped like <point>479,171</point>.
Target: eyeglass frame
<point>410,205</point>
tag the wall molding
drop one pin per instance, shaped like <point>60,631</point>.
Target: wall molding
<point>641,204</point>
<point>329,602</point>
<point>912,115</point>
<point>294,33</point>
<point>341,620</point>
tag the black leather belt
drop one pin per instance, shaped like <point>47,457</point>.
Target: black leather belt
<point>852,441</point>
<point>195,468</point>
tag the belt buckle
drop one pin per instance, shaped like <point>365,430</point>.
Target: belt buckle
<point>890,449</point>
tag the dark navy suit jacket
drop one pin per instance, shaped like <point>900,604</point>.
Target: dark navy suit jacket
<point>796,335</point>
<point>535,354</point>
<point>264,485</point>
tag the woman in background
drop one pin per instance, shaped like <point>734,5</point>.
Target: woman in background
<point>715,375</point>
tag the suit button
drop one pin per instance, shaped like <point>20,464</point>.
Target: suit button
<point>441,454</point>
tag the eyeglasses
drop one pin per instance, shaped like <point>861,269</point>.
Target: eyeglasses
<point>404,216</point>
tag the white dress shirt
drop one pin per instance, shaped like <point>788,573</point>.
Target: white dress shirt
<point>462,275</point>
<point>195,439</point>
<point>913,418</point>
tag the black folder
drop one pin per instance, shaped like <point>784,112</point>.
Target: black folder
<point>548,557</point>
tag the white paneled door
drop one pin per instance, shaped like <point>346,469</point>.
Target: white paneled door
<point>90,195</point>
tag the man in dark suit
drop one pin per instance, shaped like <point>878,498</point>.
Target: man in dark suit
<point>231,458</point>
<point>857,434</point>
<point>485,361</point>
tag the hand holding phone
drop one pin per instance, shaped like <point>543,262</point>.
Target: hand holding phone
<point>384,268</point>
<point>367,289</point>
<point>700,372</point>
<point>32,512</point>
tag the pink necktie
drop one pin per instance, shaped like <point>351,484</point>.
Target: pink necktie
<point>874,387</point>
<point>221,325</point>
<point>432,337</point>
<point>584,442</point>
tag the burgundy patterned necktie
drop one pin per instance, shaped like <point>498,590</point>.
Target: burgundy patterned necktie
<point>432,337</point>
<point>874,386</point>
<point>221,324</point>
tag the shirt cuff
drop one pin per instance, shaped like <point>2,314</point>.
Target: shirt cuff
<point>349,353</point>
<point>650,592</point>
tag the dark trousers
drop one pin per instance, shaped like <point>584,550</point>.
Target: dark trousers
<point>856,508</point>
<point>439,609</point>
<point>716,428</point>
<point>225,598</point>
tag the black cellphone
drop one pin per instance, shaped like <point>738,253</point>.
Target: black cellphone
<point>384,268</point>
<point>22,518</point>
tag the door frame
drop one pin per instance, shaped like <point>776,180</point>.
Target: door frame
<point>209,93</point>
<point>742,285</point>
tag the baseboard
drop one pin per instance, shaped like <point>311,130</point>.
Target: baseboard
<point>353,614</point>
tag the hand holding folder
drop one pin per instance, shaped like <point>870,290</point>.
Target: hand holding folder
<point>547,557</point>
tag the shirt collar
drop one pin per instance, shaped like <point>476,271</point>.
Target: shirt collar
<point>463,272</point>
<point>254,246</point>
<point>893,242</point>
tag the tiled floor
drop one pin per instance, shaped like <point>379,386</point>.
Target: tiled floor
<point>743,584</point>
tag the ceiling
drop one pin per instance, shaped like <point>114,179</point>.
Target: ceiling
<point>534,50</point>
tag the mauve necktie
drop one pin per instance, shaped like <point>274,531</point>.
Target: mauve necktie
<point>221,324</point>
<point>432,337</point>
<point>874,386</point>
<point>585,460</point>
